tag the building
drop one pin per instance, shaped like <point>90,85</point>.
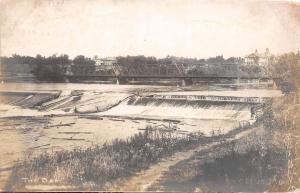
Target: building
<point>109,61</point>
<point>260,59</point>
<point>104,63</point>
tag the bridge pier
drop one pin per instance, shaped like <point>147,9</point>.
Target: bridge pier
<point>186,82</point>
<point>121,80</point>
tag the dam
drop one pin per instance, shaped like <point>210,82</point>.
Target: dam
<point>212,98</point>
<point>124,100</point>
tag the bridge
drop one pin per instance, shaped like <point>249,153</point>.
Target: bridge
<point>186,80</point>
<point>122,74</point>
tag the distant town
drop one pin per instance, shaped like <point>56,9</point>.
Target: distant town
<point>123,69</point>
<point>82,65</point>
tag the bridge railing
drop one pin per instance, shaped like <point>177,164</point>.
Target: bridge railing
<point>215,98</point>
<point>152,70</point>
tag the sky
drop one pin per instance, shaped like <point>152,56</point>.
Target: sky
<point>188,28</point>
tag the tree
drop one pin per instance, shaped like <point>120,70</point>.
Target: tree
<point>51,68</point>
<point>216,60</point>
<point>83,65</point>
<point>287,68</point>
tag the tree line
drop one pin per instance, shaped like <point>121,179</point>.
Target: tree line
<point>53,68</point>
<point>123,60</point>
<point>287,69</point>
<point>141,59</point>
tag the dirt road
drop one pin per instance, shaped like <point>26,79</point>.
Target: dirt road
<point>143,180</point>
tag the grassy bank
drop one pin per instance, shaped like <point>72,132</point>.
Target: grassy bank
<point>287,111</point>
<point>267,159</point>
<point>249,171</point>
<point>105,164</point>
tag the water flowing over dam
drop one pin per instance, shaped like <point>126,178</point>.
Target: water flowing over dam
<point>181,109</point>
<point>235,105</point>
<point>131,106</point>
<point>27,99</point>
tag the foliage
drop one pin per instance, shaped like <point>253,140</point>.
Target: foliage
<point>98,165</point>
<point>250,70</point>
<point>54,67</point>
<point>83,65</point>
<point>287,68</point>
<point>50,68</point>
<point>82,60</point>
<point>17,59</point>
<point>249,171</point>
<point>136,60</point>
<point>141,59</point>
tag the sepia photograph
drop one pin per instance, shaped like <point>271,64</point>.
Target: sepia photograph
<point>150,95</point>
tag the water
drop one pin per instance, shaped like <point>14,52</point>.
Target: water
<point>213,89</point>
<point>180,109</point>
<point>73,86</point>
<point>98,97</point>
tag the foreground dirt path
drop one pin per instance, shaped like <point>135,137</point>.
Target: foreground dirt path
<point>143,180</point>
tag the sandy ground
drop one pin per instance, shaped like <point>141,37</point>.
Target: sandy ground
<point>69,132</point>
<point>12,149</point>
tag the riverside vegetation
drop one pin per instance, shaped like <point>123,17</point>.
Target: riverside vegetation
<point>105,164</point>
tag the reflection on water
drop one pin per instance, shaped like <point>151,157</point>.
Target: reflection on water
<point>70,86</point>
<point>211,89</point>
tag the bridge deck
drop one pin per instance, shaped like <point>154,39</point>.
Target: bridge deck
<point>169,76</point>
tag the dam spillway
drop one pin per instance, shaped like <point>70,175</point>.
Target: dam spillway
<point>212,98</point>
<point>180,105</point>
<point>150,107</point>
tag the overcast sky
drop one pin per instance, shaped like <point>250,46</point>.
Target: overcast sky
<point>190,28</point>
